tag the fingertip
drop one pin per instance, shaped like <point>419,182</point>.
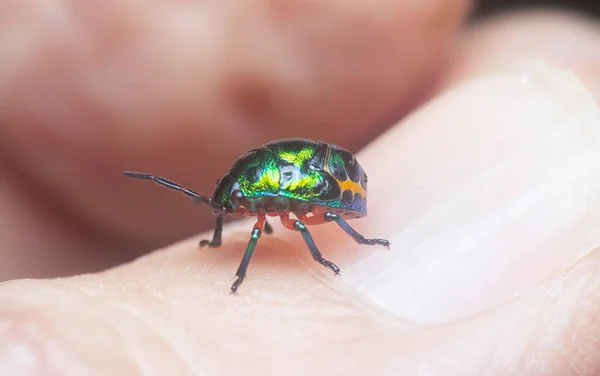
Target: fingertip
<point>482,207</point>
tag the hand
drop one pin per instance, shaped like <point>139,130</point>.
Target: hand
<point>487,194</point>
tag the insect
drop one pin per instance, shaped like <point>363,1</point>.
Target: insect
<point>316,181</point>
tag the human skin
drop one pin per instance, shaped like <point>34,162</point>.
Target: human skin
<point>488,193</point>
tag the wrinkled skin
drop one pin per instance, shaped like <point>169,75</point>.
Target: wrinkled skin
<point>488,191</point>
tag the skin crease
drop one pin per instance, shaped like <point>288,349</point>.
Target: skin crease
<point>170,311</point>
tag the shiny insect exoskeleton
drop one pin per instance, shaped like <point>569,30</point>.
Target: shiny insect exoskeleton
<point>316,181</point>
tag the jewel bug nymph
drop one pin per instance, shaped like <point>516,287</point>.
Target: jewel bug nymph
<point>316,181</point>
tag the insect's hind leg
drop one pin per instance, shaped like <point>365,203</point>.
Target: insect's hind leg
<point>216,239</point>
<point>329,217</point>
<point>314,251</point>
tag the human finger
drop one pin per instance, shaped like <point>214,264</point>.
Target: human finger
<point>481,212</point>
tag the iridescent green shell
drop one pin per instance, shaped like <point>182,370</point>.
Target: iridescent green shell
<point>291,175</point>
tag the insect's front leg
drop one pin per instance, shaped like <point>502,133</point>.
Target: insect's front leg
<point>254,236</point>
<point>216,239</point>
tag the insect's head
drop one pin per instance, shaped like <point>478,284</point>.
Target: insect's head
<point>229,195</point>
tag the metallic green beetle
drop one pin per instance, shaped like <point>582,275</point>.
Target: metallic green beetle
<point>316,181</point>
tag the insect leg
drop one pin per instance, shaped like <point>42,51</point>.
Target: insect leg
<point>243,268</point>
<point>329,216</point>
<point>314,251</point>
<point>195,196</point>
<point>268,228</point>
<point>216,239</point>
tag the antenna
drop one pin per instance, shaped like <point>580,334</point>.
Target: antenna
<point>196,197</point>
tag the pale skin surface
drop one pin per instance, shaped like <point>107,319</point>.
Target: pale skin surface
<point>488,193</point>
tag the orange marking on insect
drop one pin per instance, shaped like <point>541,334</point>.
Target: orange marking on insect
<point>353,187</point>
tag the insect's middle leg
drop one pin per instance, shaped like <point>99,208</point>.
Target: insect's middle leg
<point>298,225</point>
<point>268,228</point>
<point>243,268</point>
<point>216,239</point>
<point>333,217</point>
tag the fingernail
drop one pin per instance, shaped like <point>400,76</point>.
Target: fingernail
<point>489,191</point>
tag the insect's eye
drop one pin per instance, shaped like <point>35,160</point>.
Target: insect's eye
<point>237,197</point>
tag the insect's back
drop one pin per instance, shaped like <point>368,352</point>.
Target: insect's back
<point>304,170</point>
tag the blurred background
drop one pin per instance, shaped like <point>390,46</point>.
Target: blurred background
<point>71,212</point>
<point>489,7</point>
